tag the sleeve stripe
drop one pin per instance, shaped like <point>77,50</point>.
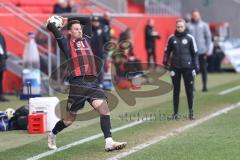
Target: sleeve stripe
<point>194,42</point>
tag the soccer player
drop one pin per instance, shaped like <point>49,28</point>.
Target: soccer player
<point>83,79</point>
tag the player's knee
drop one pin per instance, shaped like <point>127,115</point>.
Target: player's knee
<point>68,122</point>
<point>104,110</point>
<point>105,113</point>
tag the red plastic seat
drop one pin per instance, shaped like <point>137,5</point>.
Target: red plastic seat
<point>47,9</point>
<point>37,3</point>
<point>16,2</point>
<point>31,9</point>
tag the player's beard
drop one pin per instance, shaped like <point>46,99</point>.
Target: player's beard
<point>80,36</point>
<point>77,37</point>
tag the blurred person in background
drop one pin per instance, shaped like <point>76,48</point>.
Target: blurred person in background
<point>127,68</point>
<point>201,32</point>
<point>3,58</point>
<point>150,41</point>
<point>119,71</point>
<point>120,59</point>
<point>106,26</point>
<point>97,43</point>
<point>63,6</point>
<point>75,7</point>
<point>125,42</point>
<point>215,60</point>
<point>125,35</point>
<point>187,18</point>
<point>135,71</point>
<point>181,52</point>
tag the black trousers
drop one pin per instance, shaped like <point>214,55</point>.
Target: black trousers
<point>188,78</point>
<point>151,53</point>
<point>203,69</point>
<point>1,83</point>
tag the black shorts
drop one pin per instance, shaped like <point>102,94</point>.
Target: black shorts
<point>83,89</point>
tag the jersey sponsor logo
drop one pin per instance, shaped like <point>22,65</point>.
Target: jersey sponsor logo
<point>82,49</point>
<point>81,46</point>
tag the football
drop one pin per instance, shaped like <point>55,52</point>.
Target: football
<point>57,20</point>
<point>9,112</point>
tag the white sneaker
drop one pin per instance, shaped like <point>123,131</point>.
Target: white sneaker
<point>52,141</point>
<point>113,145</point>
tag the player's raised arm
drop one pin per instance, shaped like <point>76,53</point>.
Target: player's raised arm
<point>54,24</point>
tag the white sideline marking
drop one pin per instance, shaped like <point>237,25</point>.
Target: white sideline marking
<point>229,90</point>
<point>174,132</point>
<point>81,141</point>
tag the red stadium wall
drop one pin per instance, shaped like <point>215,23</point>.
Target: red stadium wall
<point>134,7</point>
<point>11,82</point>
<point>163,25</point>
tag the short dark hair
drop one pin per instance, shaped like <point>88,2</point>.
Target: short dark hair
<point>195,10</point>
<point>72,22</point>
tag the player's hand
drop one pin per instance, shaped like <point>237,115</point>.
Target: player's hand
<point>154,33</point>
<point>197,70</point>
<point>194,73</point>
<point>65,20</point>
<point>167,67</point>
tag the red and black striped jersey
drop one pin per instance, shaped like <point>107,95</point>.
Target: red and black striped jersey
<point>79,55</point>
<point>82,58</point>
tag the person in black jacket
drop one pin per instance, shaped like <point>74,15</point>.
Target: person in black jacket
<point>63,6</point>
<point>181,47</point>
<point>150,41</point>
<point>106,26</point>
<point>97,43</point>
<point>83,79</point>
<point>3,57</point>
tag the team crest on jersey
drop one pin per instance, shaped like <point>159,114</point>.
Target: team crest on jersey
<point>184,41</point>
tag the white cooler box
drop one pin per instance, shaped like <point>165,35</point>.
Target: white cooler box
<point>46,105</point>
